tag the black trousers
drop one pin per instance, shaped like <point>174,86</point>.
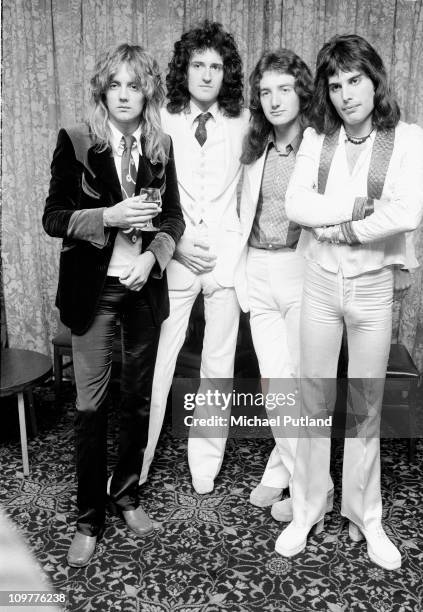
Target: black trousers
<point>92,358</point>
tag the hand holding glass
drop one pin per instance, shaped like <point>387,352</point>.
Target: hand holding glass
<point>148,195</point>
<point>151,194</point>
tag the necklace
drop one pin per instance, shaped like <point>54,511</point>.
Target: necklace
<point>360,140</point>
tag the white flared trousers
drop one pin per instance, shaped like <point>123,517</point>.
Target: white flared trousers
<point>221,313</point>
<point>364,303</point>
<point>275,284</point>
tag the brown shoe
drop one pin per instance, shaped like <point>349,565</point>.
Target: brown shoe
<point>138,521</point>
<point>81,550</point>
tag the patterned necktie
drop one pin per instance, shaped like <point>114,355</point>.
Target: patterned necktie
<point>201,132</point>
<point>128,179</point>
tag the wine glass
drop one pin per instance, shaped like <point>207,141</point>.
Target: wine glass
<point>151,194</point>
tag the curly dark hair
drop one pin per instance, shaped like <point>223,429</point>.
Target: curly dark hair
<point>285,62</point>
<point>347,53</point>
<point>208,35</point>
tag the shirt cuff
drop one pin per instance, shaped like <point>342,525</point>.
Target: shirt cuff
<point>363,207</point>
<point>87,224</point>
<point>349,234</point>
<point>162,247</point>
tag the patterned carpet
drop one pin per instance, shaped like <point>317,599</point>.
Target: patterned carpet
<point>212,552</point>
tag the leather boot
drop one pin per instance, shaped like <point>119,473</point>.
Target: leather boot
<point>81,550</point>
<point>138,521</point>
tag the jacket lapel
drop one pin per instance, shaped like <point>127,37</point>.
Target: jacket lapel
<point>103,166</point>
<point>250,193</point>
<point>255,175</point>
<point>147,171</point>
<point>330,144</point>
<point>383,148</point>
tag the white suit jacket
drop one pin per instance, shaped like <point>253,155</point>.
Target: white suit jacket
<point>251,184</point>
<point>220,215</point>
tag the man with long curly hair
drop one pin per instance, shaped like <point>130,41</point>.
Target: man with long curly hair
<point>106,274</point>
<point>206,121</point>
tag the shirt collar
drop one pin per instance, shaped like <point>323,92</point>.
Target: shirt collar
<point>116,139</point>
<point>294,145</point>
<point>194,111</point>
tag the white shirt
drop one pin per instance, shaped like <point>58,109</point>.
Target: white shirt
<point>383,234</point>
<point>124,251</point>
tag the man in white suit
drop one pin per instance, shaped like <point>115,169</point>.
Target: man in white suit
<point>269,276</point>
<point>206,122</point>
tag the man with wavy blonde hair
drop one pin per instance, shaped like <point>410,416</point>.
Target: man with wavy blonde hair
<point>109,275</point>
<point>148,80</point>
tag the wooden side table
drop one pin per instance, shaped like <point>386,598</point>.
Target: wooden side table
<point>20,371</point>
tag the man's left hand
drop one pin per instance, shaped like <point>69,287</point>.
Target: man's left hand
<point>136,275</point>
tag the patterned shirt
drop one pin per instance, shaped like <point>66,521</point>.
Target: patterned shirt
<point>271,228</point>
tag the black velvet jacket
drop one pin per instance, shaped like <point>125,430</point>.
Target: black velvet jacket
<point>82,178</point>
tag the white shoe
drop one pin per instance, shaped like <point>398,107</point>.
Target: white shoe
<point>379,547</point>
<point>282,510</point>
<point>202,485</point>
<point>263,496</point>
<point>293,539</point>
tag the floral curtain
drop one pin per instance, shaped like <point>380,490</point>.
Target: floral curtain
<point>49,50</point>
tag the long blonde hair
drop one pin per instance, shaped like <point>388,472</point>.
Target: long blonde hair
<point>148,76</point>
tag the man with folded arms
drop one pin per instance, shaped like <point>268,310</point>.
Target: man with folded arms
<point>358,187</point>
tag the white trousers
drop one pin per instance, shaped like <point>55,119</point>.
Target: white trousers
<point>275,282</point>
<point>221,312</point>
<point>364,303</point>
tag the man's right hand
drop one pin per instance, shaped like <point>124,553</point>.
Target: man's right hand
<point>195,255</point>
<point>130,213</point>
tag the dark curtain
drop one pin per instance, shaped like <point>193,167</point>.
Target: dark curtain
<point>49,50</point>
